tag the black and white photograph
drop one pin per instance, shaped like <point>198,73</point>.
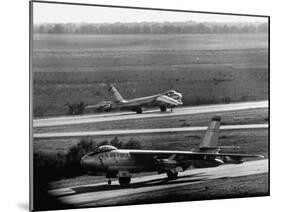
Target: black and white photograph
<point>135,105</point>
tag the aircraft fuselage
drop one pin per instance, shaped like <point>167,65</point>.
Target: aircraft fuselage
<point>121,160</point>
<point>143,101</point>
<point>148,101</point>
<point>114,161</point>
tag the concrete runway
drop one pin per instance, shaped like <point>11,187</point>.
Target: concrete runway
<point>69,120</point>
<point>143,131</point>
<point>97,194</point>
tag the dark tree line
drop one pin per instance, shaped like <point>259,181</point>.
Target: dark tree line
<point>151,28</point>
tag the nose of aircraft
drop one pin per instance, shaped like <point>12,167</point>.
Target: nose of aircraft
<point>83,161</point>
<point>87,162</point>
<point>178,97</point>
<point>91,163</point>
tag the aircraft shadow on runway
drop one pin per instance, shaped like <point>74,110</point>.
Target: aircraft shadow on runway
<point>145,112</point>
<point>148,183</point>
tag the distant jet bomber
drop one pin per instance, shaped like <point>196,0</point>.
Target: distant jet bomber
<point>169,99</point>
<point>121,163</point>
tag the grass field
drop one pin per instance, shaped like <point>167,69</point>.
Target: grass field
<point>204,68</point>
<point>250,116</point>
<point>250,141</point>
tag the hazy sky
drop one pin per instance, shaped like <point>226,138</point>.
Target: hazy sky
<point>62,13</point>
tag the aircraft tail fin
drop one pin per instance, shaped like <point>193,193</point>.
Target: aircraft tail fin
<point>116,94</point>
<point>210,140</point>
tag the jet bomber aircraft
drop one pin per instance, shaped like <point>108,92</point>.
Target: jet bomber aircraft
<point>121,163</point>
<point>169,99</point>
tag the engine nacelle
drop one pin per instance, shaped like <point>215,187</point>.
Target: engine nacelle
<point>106,106</point>
<point>166,162</point>
<point>207,163</point>
<point>232,160</point>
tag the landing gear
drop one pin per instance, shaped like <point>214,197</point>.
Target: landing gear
<point>172,175</point>
<point>139,110</point>
<point>109,176</point>
<point>124,181</point>
<point>163,108</point>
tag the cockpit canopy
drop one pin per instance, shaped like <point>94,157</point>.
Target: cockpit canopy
<point>101,149</point>
<point>173,94</point>
<point>170,92</point>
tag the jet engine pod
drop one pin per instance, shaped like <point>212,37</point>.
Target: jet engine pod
<point>207,163</point>
<point>166,162</point>
<point>232,160</point>
<point>106,106</point>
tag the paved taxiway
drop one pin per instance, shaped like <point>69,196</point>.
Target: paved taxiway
<point>60,121</point>
<point>143,131</point>
<point>96,194</point>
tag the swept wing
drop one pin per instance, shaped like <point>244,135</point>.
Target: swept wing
<point>188,155</point>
